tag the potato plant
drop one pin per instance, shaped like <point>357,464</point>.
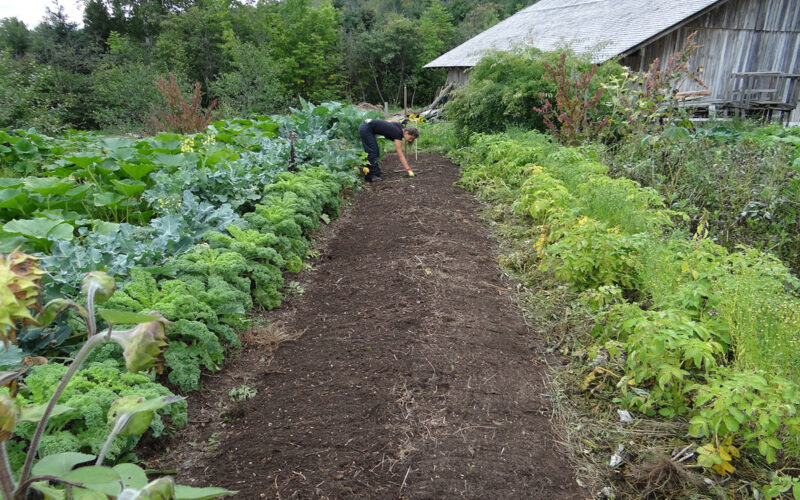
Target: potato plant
<point>690,330</point>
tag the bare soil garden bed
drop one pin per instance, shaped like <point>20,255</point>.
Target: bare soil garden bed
<point>410,371</point>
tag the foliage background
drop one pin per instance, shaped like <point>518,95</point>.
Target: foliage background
<point>256,59</point>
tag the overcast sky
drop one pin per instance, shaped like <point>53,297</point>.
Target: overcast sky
<point>31,12</point>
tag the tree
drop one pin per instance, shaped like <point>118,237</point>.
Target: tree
<point>193,43</point>
<point>139,19</point>
<point>253,84</point>
<point>477,20</point>
<point>436,30</point>
<point>122,72</point>
<point>58,43</point>
<point>393,53</point>
<point>97,23</point>
<point>14,37</point>
<point>305,41</point>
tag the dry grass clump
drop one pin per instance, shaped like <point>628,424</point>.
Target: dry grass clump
<point>269,333</point>
<point>659,476</point>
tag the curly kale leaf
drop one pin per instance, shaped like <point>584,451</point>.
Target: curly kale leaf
<point>185,361</point>
<point>174,299</point>
<point>204,260</point>
<point>90,393</point>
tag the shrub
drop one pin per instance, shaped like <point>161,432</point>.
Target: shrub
<point>253,86</point>
<point>572,115</point>
<point>132,80</point>
<point>180,116</point>
<point>689,328</point>
<point>505,87</point>
<point>747,190</point>
<point>28,97</point>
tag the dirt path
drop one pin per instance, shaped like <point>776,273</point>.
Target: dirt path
<point>415,375</point>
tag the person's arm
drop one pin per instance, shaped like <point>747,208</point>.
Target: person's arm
<point>398,145</point>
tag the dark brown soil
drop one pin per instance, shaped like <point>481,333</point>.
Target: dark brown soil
<point>415,375</point>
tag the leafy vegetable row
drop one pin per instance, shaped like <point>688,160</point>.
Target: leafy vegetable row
<point>690,330</point>
<point>244,235</point>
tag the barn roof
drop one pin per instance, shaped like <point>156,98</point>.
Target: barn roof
<point>602,28</point>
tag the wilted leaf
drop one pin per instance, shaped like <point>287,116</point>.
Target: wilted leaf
<point>35,413</point>
<point>124,317</point>
<point>189,493</point>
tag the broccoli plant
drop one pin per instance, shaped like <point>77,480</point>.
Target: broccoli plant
<point>79,475</point>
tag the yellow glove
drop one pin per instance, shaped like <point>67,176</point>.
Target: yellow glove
<point>410,173</point>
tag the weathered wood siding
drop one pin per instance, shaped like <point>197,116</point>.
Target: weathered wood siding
<point>459,76</point>
<point>739,35</point>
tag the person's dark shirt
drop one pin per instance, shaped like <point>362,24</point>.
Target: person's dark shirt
<point>390,130</point>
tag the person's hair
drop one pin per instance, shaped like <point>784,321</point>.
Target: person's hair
<point>413,132</point>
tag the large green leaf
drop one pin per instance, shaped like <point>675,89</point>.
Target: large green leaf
<point>129,187</point>
<point>62,231</point>
<point>10,242</point>
<point>83,160</point>
<point>223,155</point>
<point>167,140</point>
<point>107,166</point>
<point>117,143</point>
<point>247,141</point>
<point>107,199</point>
<point>178,160</point>
<point>48,186</point>
<point>79,191</point>
<point>11,357</point>
<point>25,148</point>
<point>40,228</point>
<point>10,182</point>
<point>81,494</point>
<point>271,128</point>
<point>105,228</point>
<point>137,170</point>
<point>190,493</point>
<point>60,464</point>
<point>132,476</point>
<point>103,479</point>
<point>73,218</point>
<point>13,198</point>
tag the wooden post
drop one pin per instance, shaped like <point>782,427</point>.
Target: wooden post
<point>386,108</point>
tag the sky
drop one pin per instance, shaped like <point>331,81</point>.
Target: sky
<point>31,12</point>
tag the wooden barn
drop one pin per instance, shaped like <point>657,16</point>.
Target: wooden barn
<point>750,55</point>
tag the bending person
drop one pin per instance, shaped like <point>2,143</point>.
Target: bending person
<point>394,131</point>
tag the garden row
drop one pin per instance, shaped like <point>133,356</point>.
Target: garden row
<point>687,329</point>
<point>742,180</point>
<point>226,221</point>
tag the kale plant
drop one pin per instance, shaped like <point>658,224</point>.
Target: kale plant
<point>62,474</point>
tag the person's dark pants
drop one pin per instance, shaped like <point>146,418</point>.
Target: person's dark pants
<point>370,144</point>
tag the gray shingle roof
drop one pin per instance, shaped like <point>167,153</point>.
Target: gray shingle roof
<point>603,28</point>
